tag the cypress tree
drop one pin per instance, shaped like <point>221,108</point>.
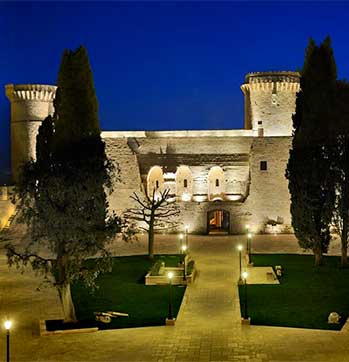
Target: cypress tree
<point>340,167</point>
<point>62,193</point>
<point>311,182</point>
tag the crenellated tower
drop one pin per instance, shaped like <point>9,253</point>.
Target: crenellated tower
<point>270,101</point>
<point>30,105</point>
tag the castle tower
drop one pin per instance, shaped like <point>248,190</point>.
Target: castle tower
<point>270,101</point>
<point>30,105</point>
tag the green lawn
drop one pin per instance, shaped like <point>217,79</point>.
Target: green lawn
<point>306,295</point>
<point>123,290</point>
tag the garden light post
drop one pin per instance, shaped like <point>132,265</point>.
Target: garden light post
<point>249,237</point>
<point>247,228</point>
<point>8,325</point>
<point>240,250</point>
<point>170,276</point>
<point>186,234</point>
<point>184,249</point>
<point>244,277</point>
<point>180,240</point>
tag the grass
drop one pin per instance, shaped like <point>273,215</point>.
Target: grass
<point>123,290</point>
<point>306,295</point>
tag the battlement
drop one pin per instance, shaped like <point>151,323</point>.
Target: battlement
<point>277,76</point>
<point>30,92</point>
<point>271,81</point>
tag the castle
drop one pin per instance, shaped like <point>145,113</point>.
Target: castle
<point>221,179</point>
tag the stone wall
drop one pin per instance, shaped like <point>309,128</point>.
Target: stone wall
<point>194,214</point>
<point>266,197</point>
<point>269,196</point>
<point>7,209</point>
<point>194,145</point>
<point>128,178</point>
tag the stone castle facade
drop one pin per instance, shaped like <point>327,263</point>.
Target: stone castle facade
<point>221,179</point>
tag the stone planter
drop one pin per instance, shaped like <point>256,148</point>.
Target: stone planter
<point>191,277</point>
<point>162,277</point>
<point>176,280</point>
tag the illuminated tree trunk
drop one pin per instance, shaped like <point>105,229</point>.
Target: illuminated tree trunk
<point>151,236</point>
<point>64,291</point>
<point>345,210</point>
<point>67,303</point>
<point>344,242</point>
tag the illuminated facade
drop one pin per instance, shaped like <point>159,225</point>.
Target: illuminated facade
<point>222,179</point>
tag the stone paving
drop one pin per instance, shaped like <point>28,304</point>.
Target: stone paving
<point>208,326</point>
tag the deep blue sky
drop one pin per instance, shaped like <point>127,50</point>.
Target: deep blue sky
<point>164,65</point>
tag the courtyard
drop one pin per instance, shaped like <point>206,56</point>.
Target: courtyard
<point>208,326</point>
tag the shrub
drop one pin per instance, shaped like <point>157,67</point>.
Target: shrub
<point>190,267</point>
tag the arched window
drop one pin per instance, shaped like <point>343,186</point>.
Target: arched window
<point>216,184</point>
<point>155,180</point>
<point>184,183</point>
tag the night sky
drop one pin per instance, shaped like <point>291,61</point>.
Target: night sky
<point>164,65</point>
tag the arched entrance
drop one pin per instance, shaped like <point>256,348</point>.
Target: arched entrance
<point>218,222</point>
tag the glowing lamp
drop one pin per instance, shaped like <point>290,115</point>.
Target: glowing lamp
<point>8,324</point>
<point>244,275</point>
<point>240,247</point>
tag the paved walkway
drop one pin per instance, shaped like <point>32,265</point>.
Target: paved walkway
<point>208,326</point>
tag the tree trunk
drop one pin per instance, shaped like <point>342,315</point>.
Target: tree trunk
<point>67,303</point>
<point>318,257</point>
<point>151,238</point>
<point>344,241</point>
<point>63,287</point>
<point>344,236</point>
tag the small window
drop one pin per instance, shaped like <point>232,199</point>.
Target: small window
<point>217,182</point>
<point>260,123</point>
<point>263,166</point>
<point>185,183</point>
<point>157,184</point>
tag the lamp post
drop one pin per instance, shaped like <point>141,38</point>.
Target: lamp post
<point>170,276</point>
<point>8,325</point>
<point>184,249</point>
<point>244,277</point>
<point>249,236</point>
<point>240,247</point>
<point>181,245</point>
<point>186,234</point>
<point>181,240</point>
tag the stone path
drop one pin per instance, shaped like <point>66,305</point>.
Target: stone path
<point>208,326</point>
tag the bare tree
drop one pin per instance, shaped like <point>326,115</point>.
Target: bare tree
<point>156,213</point>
